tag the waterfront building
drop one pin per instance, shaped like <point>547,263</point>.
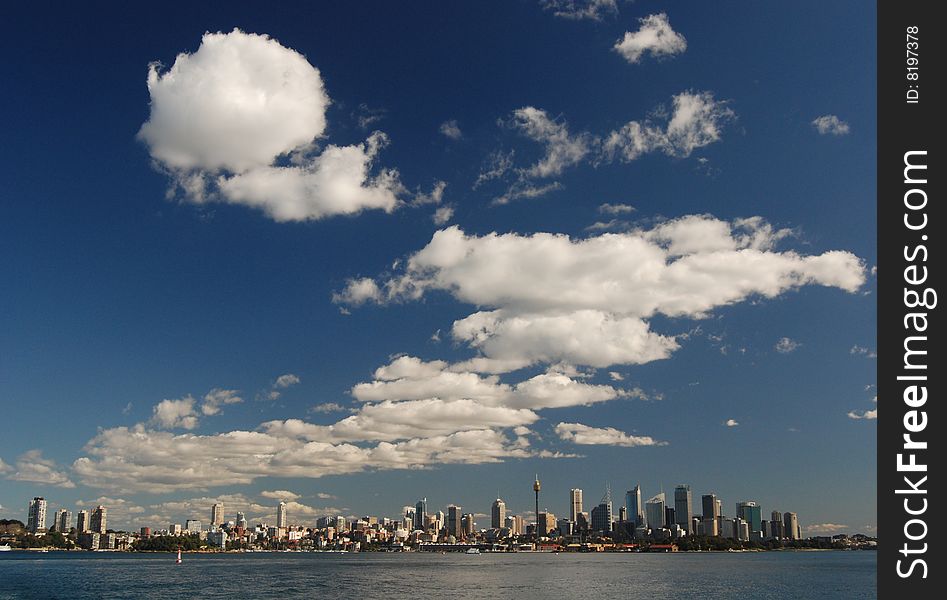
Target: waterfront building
<point>575,504</point>
<point>82,521</point>
<point>175,529</point>
<point>241,520</point>
<point>583,521</point>
<point>145,532</point>
<point>669,516</point>
<point>498,514</point>
<point>654,511</point>
<point>193,526</point>
<point>89,540</point>
<point>61,522</point>
<point>98,520</point>
<point>622,514</point>
<point>36,517</point>
<point>467,524</point>
<point>634,507</point>
<point>420,513</point>
<point>217,515</point>
<point>602,518</point>
<point>683,507</point>
<point>564,526</point>
<point>455,526</point>
<point>791,526</point>
<point>282,516</point>
<point>710,506</point>
<point>752,513</point>
<point>546,523</point>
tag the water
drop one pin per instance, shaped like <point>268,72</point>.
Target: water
<point>764,575</point>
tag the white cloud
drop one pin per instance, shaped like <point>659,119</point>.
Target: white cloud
<point>216,398</point>
<point>562,148</point>
<point>223,117</point>
<point>576,10</point>
<point>450,129</point>
<point>731,423</point>
<point>443,215</point>
<point>327,407</point>
<point>830,125</point>
<point>523,189</point>
<point>31,466</point>
<point>286,380</point>
<point>862,351</point>
<point>867,414</point>
<point>496,165</point>
<point>786,345</point>
<point>615,209</point>
<point>548,298</point>
<point>174,414</point>
<point>654,36</point>
<point>826,528</point>
<point>578,433</point>
<point>139,459</point>
<point>616,376</point>
<point>284,495</point>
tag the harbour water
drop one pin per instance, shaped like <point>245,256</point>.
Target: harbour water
<point>526,576</point>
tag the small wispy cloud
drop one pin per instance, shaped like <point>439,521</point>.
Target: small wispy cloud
<point>830,125</point>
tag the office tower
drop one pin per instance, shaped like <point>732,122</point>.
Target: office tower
<point>282,517</point>
<point>654,511</point>
<point>791,526</point>
<point>565,526</point>
<point>36,519</point>
<point>669,516</point>
<point>193,526</point>
<point>634,507</point>
<point>455,526</point>
<point>683,507</point>
<point>175,529</point>
<point>515,524</point>
<point>420,513</point>
<point>752,513</point>
<point>82,521</point>
<point>536,488</point>
<point>622,514</point>
<point>63,517</point>
<point>719,508</point>
<point>575,504</point>
<point>498,514</point>
<point>709,506</point>
<point>602,514</point>
<point>217,515</point>
<point>776,525</point>
<point>241,520</point>
<point>467,524</point>
<point>97,522</point>
<point>546,523</point>
<point>584,522</point>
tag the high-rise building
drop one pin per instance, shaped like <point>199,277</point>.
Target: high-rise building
<point>602,514</point>
<point>683,507</point>
<point>515,524</point>
<point>654,511</point>
<point>546,523</point>
<point>669,517</point>
<point>36,518</point>
<point>791,526</point>
<point>709,506</point>
<point>455,526</point>
<point>282,517</point>
<point>217,515</point>
<point>467,524</point>
<point>175,529</point>
<point>63,517</point>
<point>622,514</point>
<point>634,507</point>
<point>776,525</point>
<point>193,526</point>
<point>498,514</point>
<point>97,522</point>
<point>420,513</point>
<point>82,521</point>
<point>752,513</point>
<point>241,520</point>
<point>575,504</point>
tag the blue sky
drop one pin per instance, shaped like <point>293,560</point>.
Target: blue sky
<point>311,248</point>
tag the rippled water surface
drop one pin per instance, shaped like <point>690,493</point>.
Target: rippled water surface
<point>766,575</point>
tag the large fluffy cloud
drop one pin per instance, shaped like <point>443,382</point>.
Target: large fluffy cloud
<point>237,121</point>
<point>33,467</point>
<point>589,301</point>
<point>577,433</point>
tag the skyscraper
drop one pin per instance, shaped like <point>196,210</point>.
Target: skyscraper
<point>455,526</point>
<point>602,514</point>
<point>97,523</point>
<point>776,529</point>
<point>241,520</point>
<point>683,507</point>
<point>710,505</point>
<point>791,526</point>
<point>282,519</point>
<point>498,514</point>
<point>193,526</point>
<point>82,521</point>
<point>654,511</point>
<point>217,515</point>
<point>634,507</point>
<point>63,517</point>
<point>420,513</point>
<point>36,518</point>
<point>575,504</point>
<point>752,513</point>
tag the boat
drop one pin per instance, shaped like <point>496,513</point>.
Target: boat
<point>6,548</point>
<point>473,550</point>
<point>178,561</point>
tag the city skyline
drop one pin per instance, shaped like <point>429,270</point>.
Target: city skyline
<point>436,256</point>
